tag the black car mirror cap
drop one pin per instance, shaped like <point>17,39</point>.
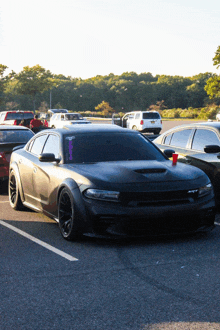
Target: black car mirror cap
<point>48,157</point>
<point>212,149</point>
<point>169,152</point>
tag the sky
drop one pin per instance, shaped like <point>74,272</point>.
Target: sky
<point>86,38</point>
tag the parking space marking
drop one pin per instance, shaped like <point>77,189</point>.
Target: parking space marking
<point>38,241</point>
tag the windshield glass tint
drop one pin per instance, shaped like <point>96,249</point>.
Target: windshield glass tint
<point>151,115</point>
<point>8,136</point>
<point>108,147</point>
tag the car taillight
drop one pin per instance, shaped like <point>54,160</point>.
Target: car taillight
<point>161,121</point>
<point>141,122</point>
<point>2,158</point>
<point>15,122</point>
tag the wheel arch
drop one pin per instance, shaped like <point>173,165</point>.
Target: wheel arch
<point>77,200</point>
<point>14,167</point>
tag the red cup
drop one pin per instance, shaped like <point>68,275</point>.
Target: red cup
<point>175,156</point>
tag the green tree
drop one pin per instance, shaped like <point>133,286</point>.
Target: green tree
<point>105,108</point>
<point>213,84</point>
<point>33,80</point>
<point>216,58</point>
<point>2,81</point>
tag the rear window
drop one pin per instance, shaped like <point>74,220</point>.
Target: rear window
<point>19,115</point>
<point>9,136</point>
<point>151,115</point>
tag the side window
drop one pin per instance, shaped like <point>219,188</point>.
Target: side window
<point>52,145</point>
<point>180,138</point>
<point>204,137</point>
<point>137,116</point>
<point>167,139</point>
<point>58,117</point>
<point>38,144</point>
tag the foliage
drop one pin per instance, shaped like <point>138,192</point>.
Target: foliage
<point>43,107</point>
<point>213,83</point>
<point>12,106</point>
<point>216,58</point>
<point>104,108</point>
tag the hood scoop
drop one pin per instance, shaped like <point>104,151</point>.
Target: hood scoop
<point>150,170</point>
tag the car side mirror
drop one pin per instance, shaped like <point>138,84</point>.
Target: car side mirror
<point>212,149</point>
<point>169,152</point>
<point>48,157</point>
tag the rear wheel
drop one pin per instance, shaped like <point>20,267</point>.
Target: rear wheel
<point>14,193</point>
<point>134,128</point>
<point>67,217</point>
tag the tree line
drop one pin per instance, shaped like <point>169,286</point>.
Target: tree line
<point>37,88</point>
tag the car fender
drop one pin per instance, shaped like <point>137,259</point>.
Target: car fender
<point>14,167</point>
<point>78,201</point>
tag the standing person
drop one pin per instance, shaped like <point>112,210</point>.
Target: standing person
<point>35,123</point>
<point>22,123</point>
<point>45,122</point>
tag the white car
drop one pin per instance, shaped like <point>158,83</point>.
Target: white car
<point>59,120</point>
<point>143,121</point>
<point>218,116</point>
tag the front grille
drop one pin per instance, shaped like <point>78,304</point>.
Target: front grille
<point>158,198</point>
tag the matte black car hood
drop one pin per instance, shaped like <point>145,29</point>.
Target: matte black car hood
<point>137,171</point>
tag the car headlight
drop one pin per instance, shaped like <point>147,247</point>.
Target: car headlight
<point>105,195</point>
<point>203,191</point>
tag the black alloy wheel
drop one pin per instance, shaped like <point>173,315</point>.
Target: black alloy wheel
<point>66,215</point>
<point>14,194</point>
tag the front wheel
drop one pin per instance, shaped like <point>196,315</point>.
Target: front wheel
<point>67,217</point>
<point>14,193</point>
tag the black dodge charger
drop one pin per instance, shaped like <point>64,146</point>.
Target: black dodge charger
<point>107,180</point>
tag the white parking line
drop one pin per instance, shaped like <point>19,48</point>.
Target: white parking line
<point>38,241</point>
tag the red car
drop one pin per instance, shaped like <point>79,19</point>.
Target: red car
<point>10,137</point>
<point>15,117</point>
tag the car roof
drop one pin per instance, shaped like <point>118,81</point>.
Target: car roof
<point>92,128</point>
<point>14,127</point>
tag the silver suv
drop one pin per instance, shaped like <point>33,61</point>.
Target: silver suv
<point>143,121</point>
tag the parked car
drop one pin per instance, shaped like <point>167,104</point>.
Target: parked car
<point>142,121</point>
<point>107,180</point>
<point>218,116</point>
<point>197,144</point>
<point>15,117</point>
<point>62,119</point>
<point>10,137</point>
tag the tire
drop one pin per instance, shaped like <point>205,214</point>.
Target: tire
<point>157,131</point>
<point>134,128</point>
<point>67,216</point>
<point>52,126</point>
<point>14,193</point>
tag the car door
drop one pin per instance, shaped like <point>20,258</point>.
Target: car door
<point>27,166</point>
<point>41,175</point>
<point>130,121</point>
<point>208,162</point>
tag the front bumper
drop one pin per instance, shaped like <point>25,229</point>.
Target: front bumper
<point>115,219</point>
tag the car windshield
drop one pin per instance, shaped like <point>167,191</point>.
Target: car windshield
<point>90,148</point>
<point>73,116</point>
<point>151,115</point>
<point>14,136</point>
